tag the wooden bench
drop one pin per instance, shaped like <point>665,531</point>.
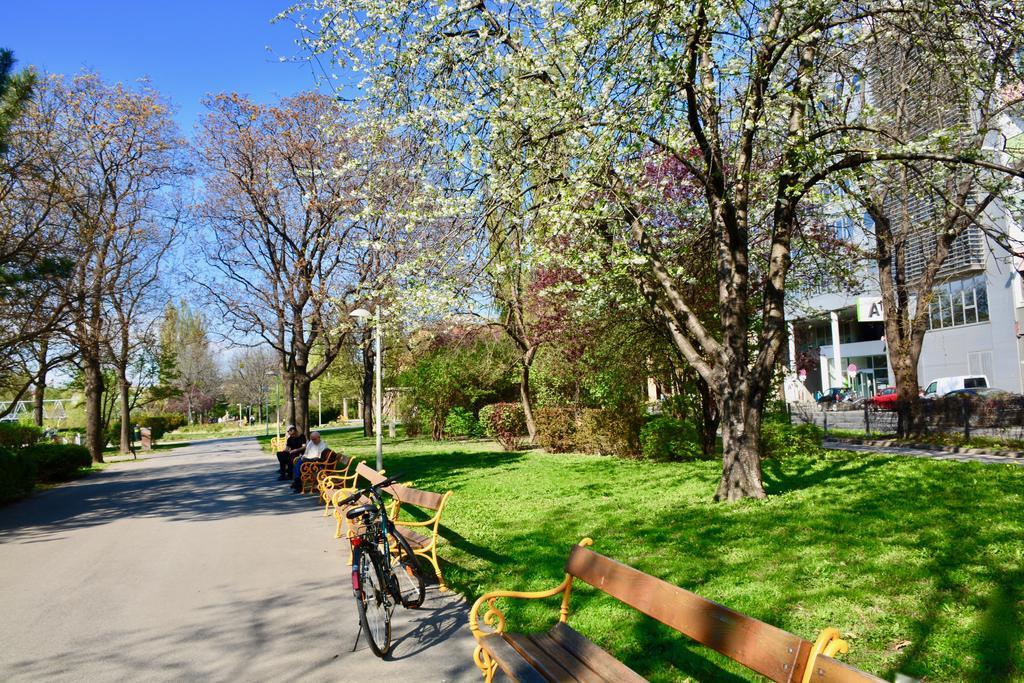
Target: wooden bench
<point>563,654</point>
<point>329,480</point>
<point>423,545</point>
<point>308,475</point>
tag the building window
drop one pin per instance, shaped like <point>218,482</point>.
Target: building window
<point>844,229</point>
<point>960,302</point>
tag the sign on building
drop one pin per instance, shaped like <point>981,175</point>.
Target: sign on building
<point>869,309</point>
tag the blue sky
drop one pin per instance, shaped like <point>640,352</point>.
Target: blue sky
<point>186,48</point>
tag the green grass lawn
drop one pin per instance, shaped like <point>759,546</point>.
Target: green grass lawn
<point>919,563</point>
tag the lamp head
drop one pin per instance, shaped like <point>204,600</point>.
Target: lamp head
<point>361,313</point>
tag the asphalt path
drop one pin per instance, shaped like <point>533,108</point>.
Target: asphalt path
<point>195,564</point>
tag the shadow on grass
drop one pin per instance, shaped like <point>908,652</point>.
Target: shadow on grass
<point>787,476</point>
<point>1001,636</point>
<point>883,547</point>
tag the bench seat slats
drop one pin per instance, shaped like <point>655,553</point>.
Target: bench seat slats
<point>510,661</point>
<point>768,650</point>
<point>415,540</point>
<point>549,666</point>
<point>602,663</point>
<point>580,670</point>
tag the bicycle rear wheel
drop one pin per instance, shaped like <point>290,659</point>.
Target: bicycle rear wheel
<point>406,569</point>
<point>373,603</point>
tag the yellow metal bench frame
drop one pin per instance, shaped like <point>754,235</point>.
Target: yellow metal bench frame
<point>807,662</point>
<point>410,496</point>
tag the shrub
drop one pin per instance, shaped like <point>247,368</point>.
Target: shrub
<point>556,429</point>
<point>57,462</point>
<point>16,435</point>
<point>411,419</point>
<point>17,474</point>
<point>329,414</point>
<point>113,433</point>
<point>461,423</point>
<point>780,439</point>
<point>505,422</point>
<point>161,423</point>
<point>665,439</point>
<point>608,432</point>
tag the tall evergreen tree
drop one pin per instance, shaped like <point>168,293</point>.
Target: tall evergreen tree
<point>15,92</point>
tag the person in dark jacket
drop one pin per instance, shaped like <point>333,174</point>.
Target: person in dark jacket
<point>294,446</point>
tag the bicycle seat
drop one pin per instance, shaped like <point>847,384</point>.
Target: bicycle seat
<point>360,511</point>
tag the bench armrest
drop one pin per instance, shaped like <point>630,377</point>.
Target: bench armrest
<point>495,618</point>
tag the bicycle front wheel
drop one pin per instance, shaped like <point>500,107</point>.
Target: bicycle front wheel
<point>373,603</point>
<point>406,569</point>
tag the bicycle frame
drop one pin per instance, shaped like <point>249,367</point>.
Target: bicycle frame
<point>374,535</point>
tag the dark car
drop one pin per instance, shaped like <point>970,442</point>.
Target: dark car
<point>833,396</point>
<point>983,392</point>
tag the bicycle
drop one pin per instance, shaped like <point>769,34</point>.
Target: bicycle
<point>379,583</point>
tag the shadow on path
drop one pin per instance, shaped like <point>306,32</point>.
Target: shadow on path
<point>213,486</point>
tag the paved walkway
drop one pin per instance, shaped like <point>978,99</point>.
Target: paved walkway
<point>195,564</point>
<point>924,453</point>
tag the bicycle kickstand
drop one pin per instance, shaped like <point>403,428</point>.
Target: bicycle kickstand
<point>355,643</point>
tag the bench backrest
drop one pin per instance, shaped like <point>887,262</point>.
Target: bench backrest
<point>428,500</point>
<point>368,473</point>
<point>766,649</point>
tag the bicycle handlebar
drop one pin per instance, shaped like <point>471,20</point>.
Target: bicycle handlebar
<point>372,487</point>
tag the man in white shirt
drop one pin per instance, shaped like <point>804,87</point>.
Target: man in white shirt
<point>315,448</point>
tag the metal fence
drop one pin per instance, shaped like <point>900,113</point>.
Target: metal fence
<point>1001,418</point>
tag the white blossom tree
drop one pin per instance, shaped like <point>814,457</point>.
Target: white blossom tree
<point>565,101</point>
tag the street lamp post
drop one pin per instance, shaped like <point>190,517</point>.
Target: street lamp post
<point>364,314</point>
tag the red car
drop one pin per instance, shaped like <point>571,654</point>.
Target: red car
<point>884,399</point>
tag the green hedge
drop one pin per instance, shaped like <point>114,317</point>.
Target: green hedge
<point>17,474</point>
<point>505,422</point>
<point>780,439</point>
<point>608,432</point>
<point>461,423</point>
<point>556,429</point>
<point>57,462</point>
<point>589,430</point>
<point>666,439</point>
<point>161,423</point>
<point>16,435</point>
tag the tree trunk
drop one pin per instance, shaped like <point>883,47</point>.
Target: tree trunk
<point>524,393</point>
<point>741,447</point>
<point>437,423</point>
<point>709,419</point>
<point>368,405</point>
<point>124,388</point>
<point>39,391</point>
<point>38,395</point>
<point>94,437</point>
<point>301,403</point>
<point>291,410</point>
<point>908,404</point>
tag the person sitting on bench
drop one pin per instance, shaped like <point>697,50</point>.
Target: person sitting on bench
<point>314,449</point>
<point>293,446</point>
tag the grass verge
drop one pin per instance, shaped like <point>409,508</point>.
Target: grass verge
<point>919,563</point>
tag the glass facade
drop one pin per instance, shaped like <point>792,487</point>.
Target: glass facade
<point>959,302</point>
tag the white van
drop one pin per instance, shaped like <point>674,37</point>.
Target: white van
<point>943,385</point>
